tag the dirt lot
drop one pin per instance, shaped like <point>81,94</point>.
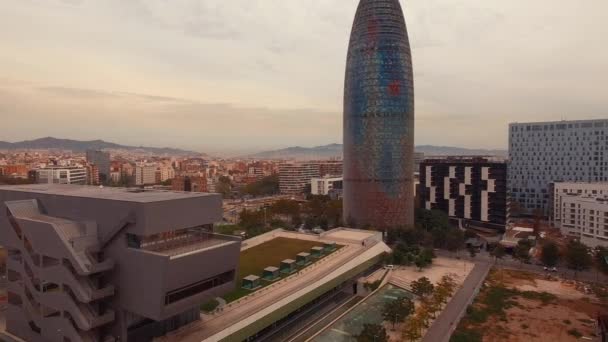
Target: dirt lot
<point>518,306</point>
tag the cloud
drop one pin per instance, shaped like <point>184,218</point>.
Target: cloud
<point>223,74</point>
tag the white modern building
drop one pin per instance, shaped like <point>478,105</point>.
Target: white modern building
<point>585,217</point>
<point>145,174</point>
<point>294,177</point>
<point>166,173</point>
<point>322,186</point>
<point>62,175</point>
<point>542,153</point>
<point>573,189</point>
<point>581,210</point>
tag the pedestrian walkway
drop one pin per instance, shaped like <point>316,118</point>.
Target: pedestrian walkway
<point>442,328</point>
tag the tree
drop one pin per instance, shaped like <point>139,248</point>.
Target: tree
<point>550,254</point>
<point>441,295</point>
<point>538,217</point>
<point>498,252</point>
<point>436,301</point>
<point>423,258</point>
<point>424,315</point>
<point>412,329</point>
<point>309,223</point>
<point>472,252</point>
<point>398,310</point>
<point>578,257</point>
<point>447,284</point>
<point>601,259</point>
<point>522,251</point>
<point>515,209</point>
<point>454,240</point>
<point>373,333</point>
<point>422,287</point>
<point>265,186</point>
<point>224,186</point>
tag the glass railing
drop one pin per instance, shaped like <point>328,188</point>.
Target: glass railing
<point>178,241</point>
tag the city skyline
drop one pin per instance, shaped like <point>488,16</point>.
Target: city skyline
<point>213,64</point>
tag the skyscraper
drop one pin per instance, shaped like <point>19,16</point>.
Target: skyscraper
<point>379,119</point>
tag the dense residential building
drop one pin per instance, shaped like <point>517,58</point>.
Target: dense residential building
<point>17,171</point>
<point>92,174</point>
<point>468,188</point>
<point>333,168</point>
<point>115,176</point>
<point>145,175</point>
<point>541,153</point>
<point>379,119</point>
<point>189,183</point>
<point>62,175</point>
<point>166,173</point>
<point>324,185</point>
<point>295,177</point>
<point>255,172</point>
<point>73,249</point>
<point>581,210</point>
<point>102,161</point>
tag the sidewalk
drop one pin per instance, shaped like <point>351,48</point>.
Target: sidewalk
<point>442,328</point>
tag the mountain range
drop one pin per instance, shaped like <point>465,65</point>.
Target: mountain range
<point>81,146</point>
<point>335,151</point>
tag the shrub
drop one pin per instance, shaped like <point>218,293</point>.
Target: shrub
<point>544,297</point>
<point>210,305</point>
<point>575,333</point>
<point>467,336</point>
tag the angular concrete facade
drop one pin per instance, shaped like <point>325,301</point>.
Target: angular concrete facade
<point>379,119</point>
<point>93,264</point>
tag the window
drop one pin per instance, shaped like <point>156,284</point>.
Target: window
<point>198,287</point>
<point>14,299</point>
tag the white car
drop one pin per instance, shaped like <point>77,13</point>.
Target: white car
<point>389,267</point>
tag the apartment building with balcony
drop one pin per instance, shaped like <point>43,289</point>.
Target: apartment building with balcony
<point>580,210</point>
<point>110,264</point>
<point>294,177</point>
<point>472,189</point>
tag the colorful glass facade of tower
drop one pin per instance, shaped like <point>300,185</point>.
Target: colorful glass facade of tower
<point>379,119</point>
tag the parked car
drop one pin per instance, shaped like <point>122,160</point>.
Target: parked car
<point>389,267</point>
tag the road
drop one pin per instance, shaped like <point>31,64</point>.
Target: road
<point>444,325</point>
<point>509,262</point>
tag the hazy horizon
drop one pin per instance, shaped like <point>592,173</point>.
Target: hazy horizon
<point>247,76</point>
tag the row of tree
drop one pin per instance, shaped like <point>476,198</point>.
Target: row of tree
<point>576,256</point>
<point>415,318</point>
<point>317,211</point>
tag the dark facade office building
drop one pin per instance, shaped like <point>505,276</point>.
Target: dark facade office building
<point>379,119</point>
<point>102,161</point>
<point>472,189</point>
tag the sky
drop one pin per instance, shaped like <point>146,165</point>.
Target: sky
<point>228,76</point>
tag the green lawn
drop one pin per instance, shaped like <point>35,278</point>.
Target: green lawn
<point>255,259</point>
